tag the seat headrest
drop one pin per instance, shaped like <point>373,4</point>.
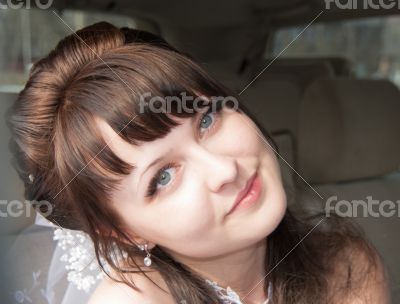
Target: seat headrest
<point>348,129</point>
<point>269,101</point>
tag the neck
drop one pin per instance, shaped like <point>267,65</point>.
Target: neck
<point>242,270</point>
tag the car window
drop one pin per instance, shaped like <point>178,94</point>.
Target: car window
<point>371,44</point>
<point>28,34</point>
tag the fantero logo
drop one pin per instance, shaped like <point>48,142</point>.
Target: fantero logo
<point>27,4</point>
<point>362,4</point>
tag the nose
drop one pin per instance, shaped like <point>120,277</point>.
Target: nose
<point>217,169</point>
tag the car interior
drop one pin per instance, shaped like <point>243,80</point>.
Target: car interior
<point>323,81</point>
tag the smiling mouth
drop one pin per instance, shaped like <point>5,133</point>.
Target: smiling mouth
<point>248,195</point>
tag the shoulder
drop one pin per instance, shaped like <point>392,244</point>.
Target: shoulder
<point>360,271</point>
<point>110,291</point>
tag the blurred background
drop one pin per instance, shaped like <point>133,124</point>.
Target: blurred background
<point>322,76</point>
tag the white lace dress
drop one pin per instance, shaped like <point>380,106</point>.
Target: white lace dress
<point>229,296</point>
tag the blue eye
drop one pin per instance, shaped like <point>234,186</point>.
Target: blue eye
<point>162,177</point>
<point>206,120</point>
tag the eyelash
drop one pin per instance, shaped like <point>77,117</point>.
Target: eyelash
<point>152,189</point>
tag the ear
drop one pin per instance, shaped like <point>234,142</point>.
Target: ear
<point>135,238</point>
<point>141,241</point>
<point>150,245</point>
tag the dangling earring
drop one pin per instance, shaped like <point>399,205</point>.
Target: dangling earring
<point>147,259</point>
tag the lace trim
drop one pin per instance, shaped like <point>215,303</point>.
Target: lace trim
<point>80,263</point>
<point>229,296</point>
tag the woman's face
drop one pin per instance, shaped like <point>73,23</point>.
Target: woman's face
<point>210,163</point>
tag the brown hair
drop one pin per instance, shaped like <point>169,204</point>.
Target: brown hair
<point>101,71</point>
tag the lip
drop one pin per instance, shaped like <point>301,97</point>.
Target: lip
<point>248,195</point>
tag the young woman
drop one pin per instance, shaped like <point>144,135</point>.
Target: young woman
<point>192,199</point>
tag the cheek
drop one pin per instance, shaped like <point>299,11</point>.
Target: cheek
<point>180,219</point>
<point>239,136</point>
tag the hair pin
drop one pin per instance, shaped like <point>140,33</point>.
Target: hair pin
<point>31,178</point>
